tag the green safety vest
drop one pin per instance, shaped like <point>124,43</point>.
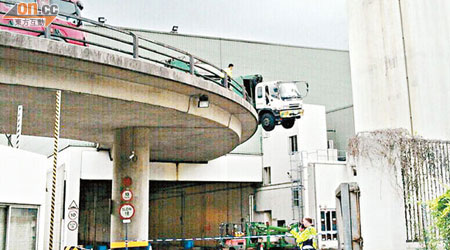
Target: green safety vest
<point>307,237</point>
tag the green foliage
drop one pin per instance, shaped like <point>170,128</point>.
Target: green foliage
<point>440,210</point>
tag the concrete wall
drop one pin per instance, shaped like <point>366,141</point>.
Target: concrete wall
<point>400,61</point>
<point>228,168</point>
<point>251,147</point>
<point>378,66</point>
<point>177,209</point>
<point>311,137</point>
<point>59,228</point>
<point>67,194</point>
<point>340,127</point>
<point>321,182</point>
<point>276,201</point>
<point>426,28</point>
<point>396,83</point>
<point>23,182</point>
<point>381,202</point>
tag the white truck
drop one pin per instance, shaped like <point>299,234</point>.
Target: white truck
<point>278,102</point>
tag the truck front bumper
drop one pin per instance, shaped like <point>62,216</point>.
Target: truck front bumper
<point>293,113</point>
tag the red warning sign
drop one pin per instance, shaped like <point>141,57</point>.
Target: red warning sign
<point>126,211</point>
<point>126,195</point>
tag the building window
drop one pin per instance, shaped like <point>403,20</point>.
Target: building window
<point>293,147</point>
<point>259,92</point>
<point>296,197</point>
<point>281,223</point>
<point>328,226</point>
<point>266,176</point>
<point>18,227</point>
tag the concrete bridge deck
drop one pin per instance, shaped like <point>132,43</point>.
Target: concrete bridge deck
<point>105,91</point>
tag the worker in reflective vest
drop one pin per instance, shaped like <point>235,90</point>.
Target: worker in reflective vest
<point>307,238</point>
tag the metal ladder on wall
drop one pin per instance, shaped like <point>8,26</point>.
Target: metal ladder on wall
<point>296,176</point>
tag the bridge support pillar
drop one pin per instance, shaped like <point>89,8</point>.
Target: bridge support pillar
<point>131,154</point>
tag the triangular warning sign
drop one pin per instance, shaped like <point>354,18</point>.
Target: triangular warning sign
<point>73,205</point>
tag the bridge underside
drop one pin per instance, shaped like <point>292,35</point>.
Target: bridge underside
<point>175,136</point>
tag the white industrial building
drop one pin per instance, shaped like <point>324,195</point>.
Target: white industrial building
<point>275,199</point>
<point>22,199</point>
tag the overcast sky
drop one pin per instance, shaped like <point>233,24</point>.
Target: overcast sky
<point>312,23</point>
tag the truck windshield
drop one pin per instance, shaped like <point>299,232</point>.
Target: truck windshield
<point>288,91</point>
<point>66,7</point>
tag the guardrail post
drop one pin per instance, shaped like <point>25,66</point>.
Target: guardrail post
<point>135,45</point>
<point>47,32</point>
<point>191,64</point>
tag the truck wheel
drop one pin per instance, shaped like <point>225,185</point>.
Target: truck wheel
<point>268,122</point>
<point>287,124</point>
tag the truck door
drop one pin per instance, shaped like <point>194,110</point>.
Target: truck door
<point>260,102</point>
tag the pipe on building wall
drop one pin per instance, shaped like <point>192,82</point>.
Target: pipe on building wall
<point>406,66</point>
<point>251,200</point>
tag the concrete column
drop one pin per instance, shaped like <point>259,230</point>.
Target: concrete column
<point>126,141</point>
<point>399,58</point>
<point>381,101</point>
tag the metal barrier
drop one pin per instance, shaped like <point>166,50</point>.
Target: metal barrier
<point>324,155</point>
<point>139,47</point>
<point>425,176</point>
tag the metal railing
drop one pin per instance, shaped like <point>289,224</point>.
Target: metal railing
<point>324,155</point>
<point>128,43</point>
<point>425,176</point>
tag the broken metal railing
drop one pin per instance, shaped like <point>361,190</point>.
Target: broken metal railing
<point>129,43</point>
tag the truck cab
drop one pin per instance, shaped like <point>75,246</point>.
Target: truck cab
<point>60,33</point>
<point>279,102</point>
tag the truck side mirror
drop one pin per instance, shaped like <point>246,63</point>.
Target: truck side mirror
<point>80,5</point>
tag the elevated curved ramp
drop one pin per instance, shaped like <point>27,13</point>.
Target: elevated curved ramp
<point>105,91</point>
